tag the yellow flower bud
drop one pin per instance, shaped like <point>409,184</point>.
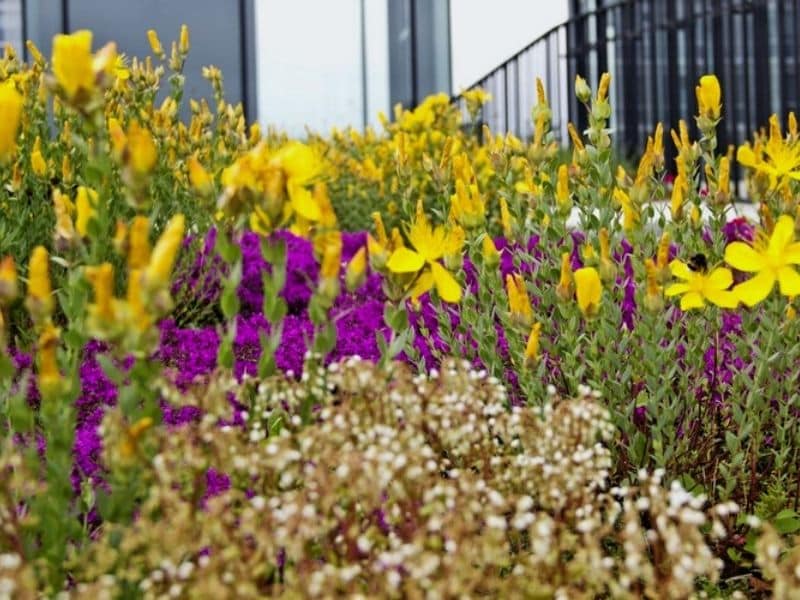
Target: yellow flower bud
<point>142,149</point>
<point>565,289</point>
<point>40,294</point>
<point>356,270</point>
<point>532,347</point>
<point>588,290</point>
<point>519,302</point>
<point>101,278</point>
<point>709,97</point>
<point>11,108</point>
<point>608,270</point>
<point>73,63</point>
<point>38,164</point>
<point>49,377</point>
<point>9,287</point>
<point>183,44</point>
<point>155,43</point>
<point>653,298</point>
<point>159,268</point>
<point>66,169</point>
<point>490,254</point>
<point>582,89</point>
<point>602,88</point>
<point>562,190</point>
<point>198,177</point>
<point>85,203</point>
<point>505,219</point>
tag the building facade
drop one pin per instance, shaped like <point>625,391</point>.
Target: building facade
<point>656,50</point>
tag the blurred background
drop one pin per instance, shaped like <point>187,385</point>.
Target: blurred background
<point>320,64</point>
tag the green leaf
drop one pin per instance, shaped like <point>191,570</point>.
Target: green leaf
<point>229,301</point>
<point>110,369</point>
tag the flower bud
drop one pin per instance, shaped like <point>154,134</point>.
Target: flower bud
<point>582,89</point>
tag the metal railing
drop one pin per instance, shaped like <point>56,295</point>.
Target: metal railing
<point>656,50</point>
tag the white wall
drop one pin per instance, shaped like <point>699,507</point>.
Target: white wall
<point>309,63</point>
<point>309,59</point>
<point>484,33</point>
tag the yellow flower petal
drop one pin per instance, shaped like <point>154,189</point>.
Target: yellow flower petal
<point>405,260</point>
<point>588,290</point>
<point>745,156</point>
<point>676,289</point>
<point>423,284</point>
<point>692,300</point>
<point>720,279</point>
<point>722,298</point>
<point>303,202</point>
<point>789,281</point>
<point>446,285</point>
<point>782,235</point>
<point>754,290</point>
<point>680,270</point>
<point>742,257</point>
<point>792,254</point>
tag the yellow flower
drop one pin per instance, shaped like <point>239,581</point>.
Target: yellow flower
<point>588,290</point>
<point>40,293</point>
<point>142,148</point>
<point>49,377</point>
<point>198,177</point>
<point>129,444</point>
<point>565,284</point>
<point>490,254</point>
<point>653,300</point>
<point>38,164</point>
<point>575,136</point>
<point>155,43</point>
<point>103,318</point>
<point>429,246</point>
<point>356,272</point>
<point>699,286</point>
<point>11,108</point>
<point>505,219</point>
<point>532,347</point>
<point>9,287</point>
<point>709,97</point>
<point>159,267</point>
<point>777,158</point>
<point>602,88</point>
<point>73,62</point>
<point>562,189</point>
<point>139,243</point>
<point>608,270</point>
<point>467,205</point>
<point>65,229</point>
<point>183,40</point>
<point>329,245</point>
<point>630,215</point>
<point>677,198</point>
<point>140,318</point>
<point>582,90</point>
<point>519,303</point>
<point>35,53</point>
<point>771,259</point>
<point>85,203</point>
<point>66,169</point>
